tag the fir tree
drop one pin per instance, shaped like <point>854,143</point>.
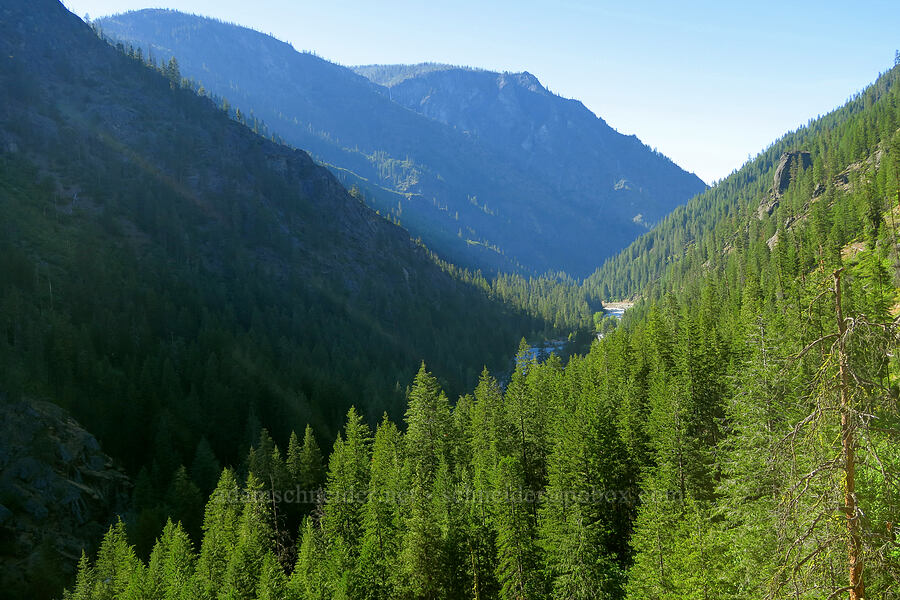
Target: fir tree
<point>273,584</point>
<point>254,542</point>
<point>84,581</point>
<point>518,558</point>
<point>379,558</point>
<point>429,424</point>
<point>220,534</point>
<point>346,488</point>
<point>205,469</point>
<point>117,573</point>
<point>170,572</point>
<point>309,580</point>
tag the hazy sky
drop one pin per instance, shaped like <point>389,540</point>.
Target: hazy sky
<point>706,83</point>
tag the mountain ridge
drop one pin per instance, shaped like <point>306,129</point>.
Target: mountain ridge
<point>151,232</point>
<point>476,200</point>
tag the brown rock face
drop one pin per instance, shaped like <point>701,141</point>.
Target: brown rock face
<point>801,159</point>
<point>58,493</point>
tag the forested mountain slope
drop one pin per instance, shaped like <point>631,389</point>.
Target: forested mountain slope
<point>722,217</point>
<point>174,279</point>
<point>556,139</point>
<point>738,436</point>
<point>521,179</point>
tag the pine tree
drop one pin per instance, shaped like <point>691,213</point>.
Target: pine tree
<point>84,581</point>
<point>293,457</point>
<point>117,572</point>
<point>254,542</point>
<point>585,514</point>
<point>490,433</point>
<point>173,72</point>
<point>528,422</point>
<point>346,488</point>
<point>273,584</point>
<point>259,459</point>
<point>307,466</point>
<point>220,534</point>
<point>205,469</point>
<point>428,422</point>
<point>381,515</point>
<point>309,581</point>
<point>170,572</point>
<point>185,502</point>
<point>518,559</point>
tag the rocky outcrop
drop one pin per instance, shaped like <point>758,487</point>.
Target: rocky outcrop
<point>789,163</point>
<point>766,207</point>
<point>58,494</point>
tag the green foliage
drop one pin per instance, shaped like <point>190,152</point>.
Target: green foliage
<point>220,534</point>
<point>342,520</point>
<point>309,579</point>
<point>478,185</point>
<point>178,282</point>
<point>170,571</point>
<point>694,452</point>
<point>117,573</point>
<point>252,545</point>
<point>382,520</point>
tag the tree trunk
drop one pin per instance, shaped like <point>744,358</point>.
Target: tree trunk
<point>857,588</point>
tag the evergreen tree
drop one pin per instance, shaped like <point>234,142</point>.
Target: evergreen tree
<point>342,519</point>
<point>309,580</point>
<point>518,558</point>
<point>205,469</point>
<point>84,581</point>
<point>253,544</point>
<point>490,436</point>
<point>379,554</point>
<point>306,464</point>
<point>117,573</point>
<point>273,584</point>
<point>586,513</point>
<point>170,572</point>
<point>428,422</point>
<point>220,534</point>
<point>185,502</point>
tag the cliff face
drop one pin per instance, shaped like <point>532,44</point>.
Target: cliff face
<point>58,493</point>
<point>788,164</point>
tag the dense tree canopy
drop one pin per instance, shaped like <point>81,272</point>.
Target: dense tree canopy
<point>731,438</point>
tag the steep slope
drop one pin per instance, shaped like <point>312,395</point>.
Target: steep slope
<point>764,377</point>
<point>737,436</point>
<point>166,274</point>
<point>546,186</point>
<point>755,201</point>
<point>58,493</point>
<point>559,140</point>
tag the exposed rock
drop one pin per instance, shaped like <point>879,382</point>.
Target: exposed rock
<point>59,492</point>
<point>801,159</point>
<point>766,207</point>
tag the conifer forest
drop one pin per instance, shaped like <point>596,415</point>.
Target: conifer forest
<point>279,392</point>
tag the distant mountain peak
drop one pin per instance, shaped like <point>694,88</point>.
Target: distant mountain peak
<point>527,81</point>
<point>491,169</point>
<point>391,75</point>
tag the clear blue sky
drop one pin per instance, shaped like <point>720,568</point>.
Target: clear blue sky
<point>706,83</point>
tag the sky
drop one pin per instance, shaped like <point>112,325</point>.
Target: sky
<point>708,84</point>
